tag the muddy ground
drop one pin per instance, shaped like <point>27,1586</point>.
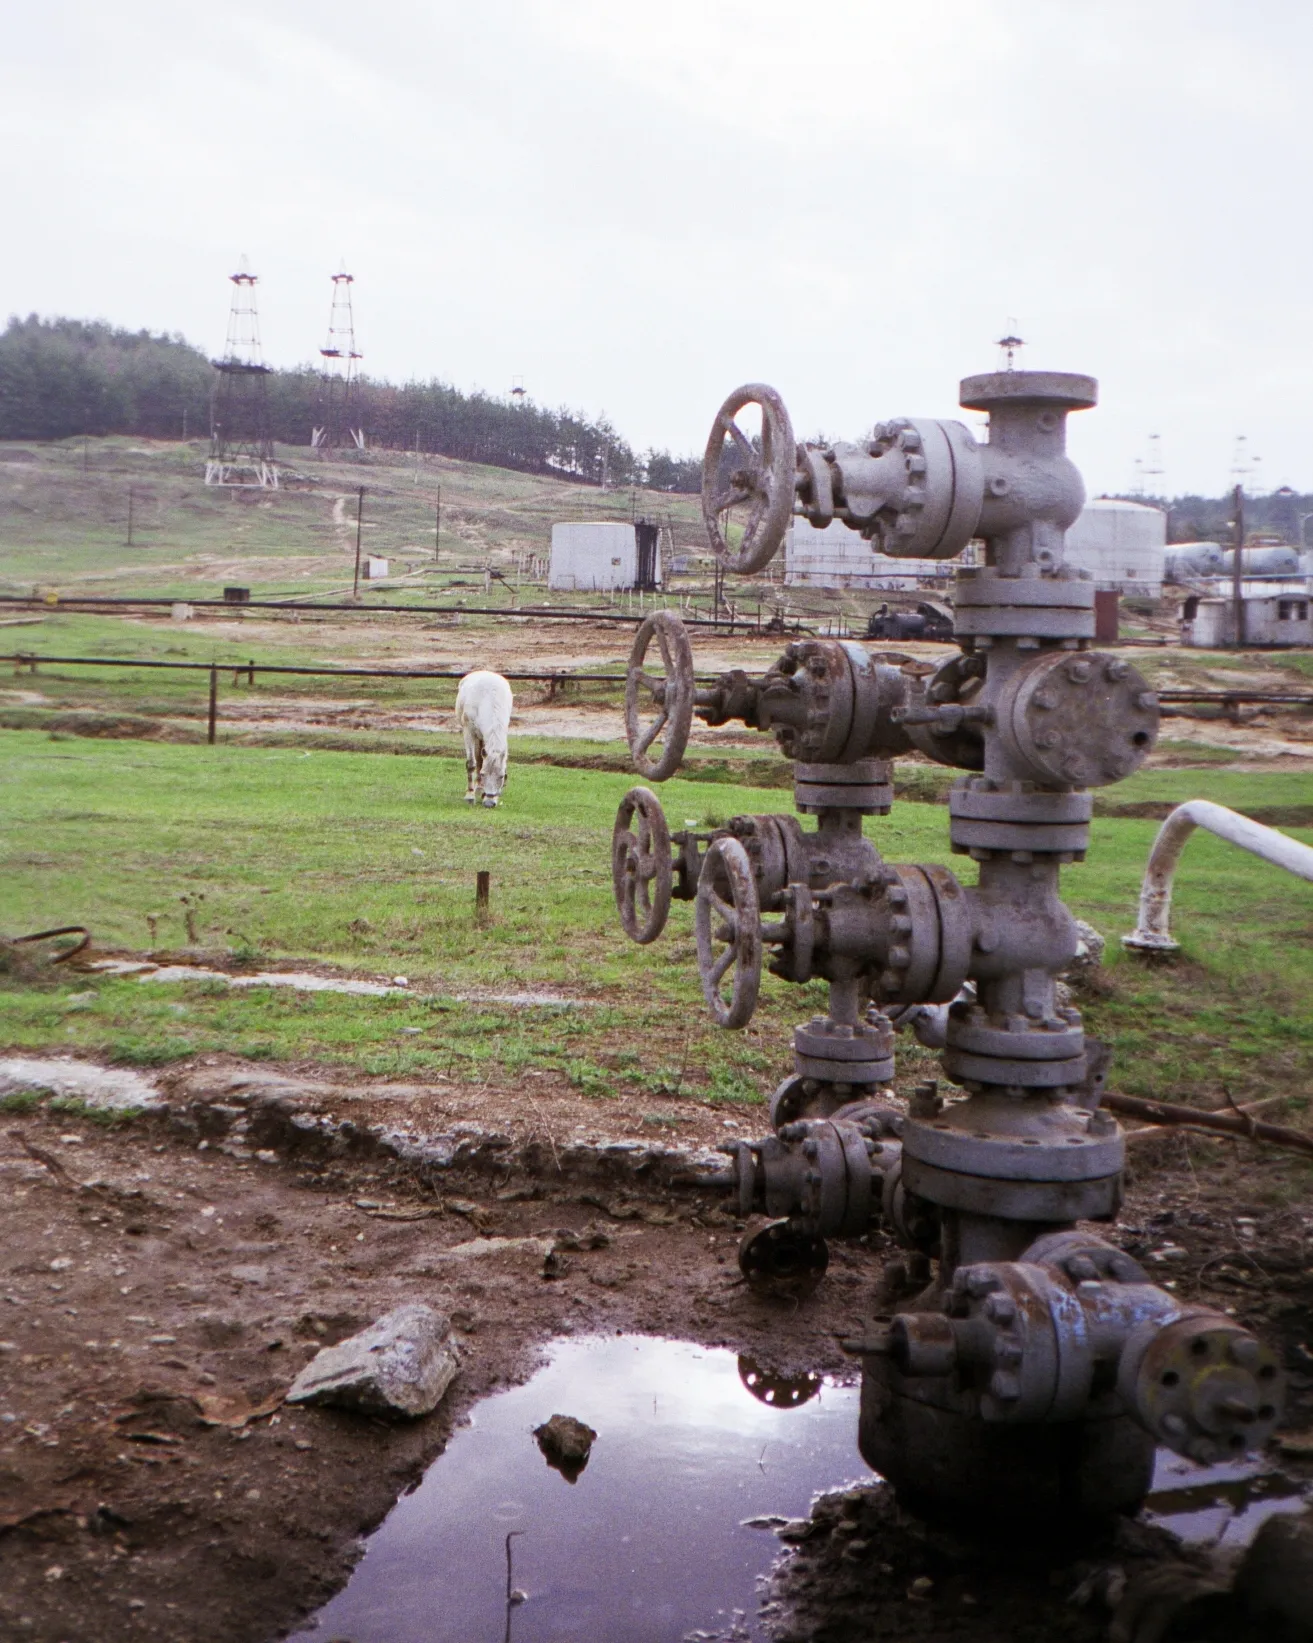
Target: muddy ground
<point>162,1281</point>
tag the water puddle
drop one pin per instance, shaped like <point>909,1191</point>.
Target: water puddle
<point>1218,1505</point>
<point>665,1531</point>
<point>647,1545</point>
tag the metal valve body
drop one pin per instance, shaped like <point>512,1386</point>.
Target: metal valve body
<point>1038,1368</point>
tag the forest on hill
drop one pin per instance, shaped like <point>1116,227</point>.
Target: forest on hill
<point>63,377</point>
<point>60,378</point>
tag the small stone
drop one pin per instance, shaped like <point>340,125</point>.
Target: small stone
<point>55,1572</point>
<point>566,1444</point>
<point>920,1588</point>
<point>401,1365</point>
<point>61,1263</point>
<point>250,1274</point>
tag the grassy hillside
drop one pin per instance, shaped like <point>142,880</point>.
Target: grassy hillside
<point>64,519</point>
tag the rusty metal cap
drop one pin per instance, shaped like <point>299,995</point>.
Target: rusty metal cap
<point>1059,388</point>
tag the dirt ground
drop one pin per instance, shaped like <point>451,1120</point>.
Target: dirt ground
<point>163,1280</point>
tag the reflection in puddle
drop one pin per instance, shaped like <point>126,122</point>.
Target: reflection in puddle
<point>1218,1505</point>
<point>648,1544</point>
<point>778,1391</point>
<point>650,1541</point>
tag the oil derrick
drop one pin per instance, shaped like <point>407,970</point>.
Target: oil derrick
<point>339,400</point>
<point>241,448</point>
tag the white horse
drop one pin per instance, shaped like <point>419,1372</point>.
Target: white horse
<point>483,713</point>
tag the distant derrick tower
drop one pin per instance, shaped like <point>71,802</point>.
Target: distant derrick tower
<point>241,448</point>
<point>339,402</point>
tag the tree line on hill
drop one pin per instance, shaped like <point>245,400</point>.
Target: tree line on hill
<point>62,377</point>
<point>1283,513</point>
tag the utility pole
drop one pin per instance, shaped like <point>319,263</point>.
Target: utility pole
<point>360,510</point>
<point>1237,593</point>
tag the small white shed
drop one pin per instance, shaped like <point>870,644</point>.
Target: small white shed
<point>1121,544</point>
<point>1276,619</point>
<point>598,557</point>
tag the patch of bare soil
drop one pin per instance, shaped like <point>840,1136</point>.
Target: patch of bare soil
<point>159,1293</point>
<point>162,1282</point>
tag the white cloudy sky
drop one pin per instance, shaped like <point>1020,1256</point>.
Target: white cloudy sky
<point>637,207</point>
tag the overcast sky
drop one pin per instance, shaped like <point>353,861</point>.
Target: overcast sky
<point>635,208</point>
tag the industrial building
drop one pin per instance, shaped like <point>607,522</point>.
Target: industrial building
<point>1270,618</point>
<point>839,557</point>
<point>605,556</point>
<point>1122,545</point>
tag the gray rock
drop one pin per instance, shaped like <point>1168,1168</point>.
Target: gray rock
<point>566,1444</point>
<point>112,1089</point>
<point>1275,1579</point>
<point>401,1365</point>
<point>1089,952</point>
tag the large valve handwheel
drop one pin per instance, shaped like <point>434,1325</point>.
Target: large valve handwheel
<point>668,695</point>
<point>641,867</point>
<point>738,476</point>
<point>727,922</point>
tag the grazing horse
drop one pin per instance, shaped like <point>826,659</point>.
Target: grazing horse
<point>483,713</point>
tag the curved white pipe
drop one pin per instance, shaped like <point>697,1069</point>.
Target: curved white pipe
<point>1152,932</point>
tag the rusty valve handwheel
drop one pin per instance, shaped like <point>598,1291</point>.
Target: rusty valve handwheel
<point>763,480</point>
<point>672,696</point>
<point>728,929</point>
<point>641,867</point>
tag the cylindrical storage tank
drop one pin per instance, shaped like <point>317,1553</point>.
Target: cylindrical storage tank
<point>1121,544</point>
<point>840,557</point>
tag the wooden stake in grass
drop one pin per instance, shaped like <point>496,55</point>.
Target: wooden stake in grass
<point>482,898</point>
<point>214,704</point>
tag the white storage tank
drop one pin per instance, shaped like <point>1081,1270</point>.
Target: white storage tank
<point>839,557</point>
<point>1121,544</point>
<point>605,555</point>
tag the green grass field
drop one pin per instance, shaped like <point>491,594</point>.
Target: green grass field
<point>367,863</point>
<point>294,838</point>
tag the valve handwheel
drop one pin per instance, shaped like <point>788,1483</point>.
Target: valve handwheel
<point>641,867</point>
<point>672,694</point>
<point>760,480</point>
<point>727,922</point>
